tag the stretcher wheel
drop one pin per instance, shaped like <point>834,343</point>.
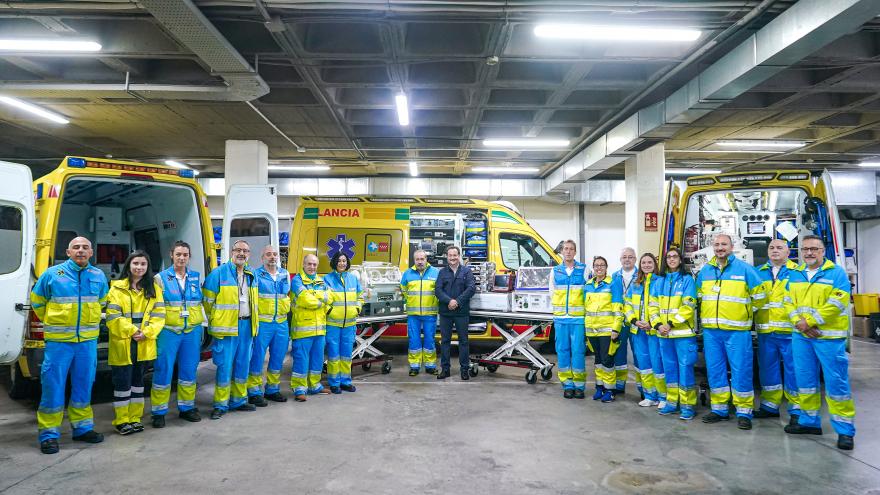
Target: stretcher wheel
<point>366,366</point>
<point>473,370</point>
<point>532,377</point>
<point>547,373</point>
<point>492,368</point>
<point>386,368</point>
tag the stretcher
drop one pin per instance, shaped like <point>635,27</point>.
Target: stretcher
<point>365,353</point>
<point>515,342</point>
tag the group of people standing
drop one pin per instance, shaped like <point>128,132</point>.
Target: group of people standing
<point>799,311</point>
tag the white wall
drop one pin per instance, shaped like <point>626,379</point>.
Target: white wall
<point>555,222</point>
<point>869,256</point>
<point>605,233</point>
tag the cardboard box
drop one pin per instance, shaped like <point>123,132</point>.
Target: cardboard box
<point>862,327</point>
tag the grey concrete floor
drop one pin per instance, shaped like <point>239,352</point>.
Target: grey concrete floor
<point>493,434</point>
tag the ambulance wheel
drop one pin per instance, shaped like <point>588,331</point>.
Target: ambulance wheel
<point>547,373</point>
<point>20,387</point>
<point>532,377</point>
<point>366,366</point>
<point>473,370</point>
<point>492,368</point>
<point>386,368</point>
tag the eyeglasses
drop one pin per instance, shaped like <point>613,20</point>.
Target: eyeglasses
<point>672,255</point>
<point>812,249</point>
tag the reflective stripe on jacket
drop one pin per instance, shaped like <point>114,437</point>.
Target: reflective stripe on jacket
<point>418,291</point>
<point>568,293</point>
<point>221,300</point>
<point>822,301</point>
<point>127,312</point>
<point>310,305</point>
<point>603,310</point>
<point>176,301</point>
<point>273,296</point>
<point>673,302</point>
<point>772,316</point>
<point>635,303</point>
<point>68,300</point>
<point>346,298</point>
<point>729,296</point>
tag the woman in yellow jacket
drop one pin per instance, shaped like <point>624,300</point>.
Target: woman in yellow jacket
<point>135,316</point>
<point>603,320</point>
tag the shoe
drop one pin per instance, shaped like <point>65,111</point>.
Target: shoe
<point>464,375</point>
<point>648,403</point>
<point>793,419</point>
<point>413,372</point>
<point>335,390</point>
<point>323,391</point>
<point>430,371</point>
<point>443,375</point>
<point>802,430</point>
<point>217,413</point>
<point>617,392</point>
<point>687,415</point>
<point>245,407</point>
<point>276,397</point>
<point>258,401</point>
<point>50,446</point>
<point>192,416</point>
<point>661,404</point>
<point>348,388</point>
<point>845,442</point>
<point>744,423</point>
<point>299,398</point>
<point>598,393</point>
<point>568,393</point>
<point>763,413</point>
<point>90,436</point>
<point>714,417</point>
<point>669,409</point>
<point>137,426</point>
<point>124,429</point>
<point>608,396</point>
<point>579,394</point>
<point>158,421</point>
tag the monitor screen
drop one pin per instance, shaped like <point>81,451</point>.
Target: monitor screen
<point>756,228</point>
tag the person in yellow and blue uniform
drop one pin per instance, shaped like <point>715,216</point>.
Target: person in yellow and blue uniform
<point>273,306</point>
<point>603,317</point>
<point>135,316</point>
<point>230,301</point>
<point>673,316</point>
<point>567,293</point>
<point>774,337</point>
<point>67,298</point>
<point>308,329</point>
<point>417,285</point>
<point>636,302</point>
<point>346,300</point>
<point>730,291</point>
<point>621,281</point>
<point>180,340</point>
<point>817,299</point>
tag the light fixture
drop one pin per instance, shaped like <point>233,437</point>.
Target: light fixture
<point>505,170</point>
<point>870,164</point>
<point>691,171</point>
<point>761,144</point>
<point>182,166</point>
<point>300,168</point>
<point>414,169</point>
<point>15,102</point>
<point>773,200</point>
<point>525,143</point>
<point>402,109</point>
<point>59,45</point>
<point>614,33</point>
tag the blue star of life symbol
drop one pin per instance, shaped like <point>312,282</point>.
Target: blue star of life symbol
<point>340,245</point>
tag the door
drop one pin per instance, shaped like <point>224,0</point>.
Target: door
<point>671,217</point>
<point>17,228</point>
<point>825,192</point>
<point>250,214</point>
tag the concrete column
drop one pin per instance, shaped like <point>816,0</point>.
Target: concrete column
<point>645,175</point>
<point>247,162</point>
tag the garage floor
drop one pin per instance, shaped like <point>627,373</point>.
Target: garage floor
<point>494,434</point>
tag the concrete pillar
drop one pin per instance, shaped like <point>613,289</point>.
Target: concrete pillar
<point>247,162</point>
<point>645,175</point>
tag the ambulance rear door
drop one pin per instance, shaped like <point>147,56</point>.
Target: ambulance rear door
<point>17,228</point>
<point>672,217</point>
<point>833,229</point>
<point>250,214</point>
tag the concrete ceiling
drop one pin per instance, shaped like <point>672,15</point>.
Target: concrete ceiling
<point>332,68</point>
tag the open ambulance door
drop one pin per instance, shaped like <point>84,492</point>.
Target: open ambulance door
<point>671,217</point>
<point>832,230</point>
<point>250,214</point>
<point>17,229</point>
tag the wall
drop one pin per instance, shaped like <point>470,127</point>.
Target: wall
<point>605,234</point>
<point>555,222</point>
<point>869,256</point>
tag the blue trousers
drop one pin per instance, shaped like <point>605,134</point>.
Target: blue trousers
<point>185,350</point>
<point>340,343</point>
<point>571,350</point>
<point>656,357</point>
<point>809,355</point>
<point>679,356</point>
<point>723,347</point>
<point>308,361</point>
<point>773,348</point>
<point>275,337</point>
<point>621,371</point>
<point>232,356</point>
<point>80,359</point>
<point>642,361</point>
<point>421,331</point>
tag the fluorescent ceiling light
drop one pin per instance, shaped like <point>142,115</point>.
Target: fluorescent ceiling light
<point>59,45</point>
<point>614,33</point>
<point>505,170</point>
<point>759,144</point>
<point>525,143</point>
<point>402,109</point>
<point>691,171</point>
<point>870,164</point>
<point>54,117</point>
<point>300,168</point>
<point>182,166</point>
<point>414,169</point>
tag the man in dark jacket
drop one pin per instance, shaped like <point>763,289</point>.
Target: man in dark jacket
<point>455,288</point>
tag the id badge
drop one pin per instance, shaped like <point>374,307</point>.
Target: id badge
<point>716,288</point>
<point>184,313</point>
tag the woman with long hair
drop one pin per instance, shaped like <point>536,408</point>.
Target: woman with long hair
<point>636,313</point>
<point>603,318</point>
<point>346,301</point>
<point>673,316</point>
<point>135,316</point>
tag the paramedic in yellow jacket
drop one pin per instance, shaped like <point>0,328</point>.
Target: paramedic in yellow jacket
<point>230,302</point>
<point>135,316</point>
<point>417,286</point>
<point>311,303</point>
<point>603,309</point>
<point>817,298</point>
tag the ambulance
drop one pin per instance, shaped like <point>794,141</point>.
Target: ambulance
<point>119,206</point>
<point>390,230</point>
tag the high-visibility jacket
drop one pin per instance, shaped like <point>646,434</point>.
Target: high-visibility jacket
<point>177,301</point>
<point>673,302</point>
<point>310,305</point>
<point>772,316</point>
<point>418,291</point>
<point>346,298</point>
<point>603,310</point>
<point>619,287</point>
<point>636,300</point>
<point>221,300</point>
<point>127,312</point>
<point>821,300</point>
<point>273,296</point>
<point>567,297</point>
<point>68,298</point>
<point>729,296</point>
